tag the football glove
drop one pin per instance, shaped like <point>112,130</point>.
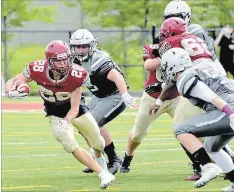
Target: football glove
<point>149,51</point>
<point>14,94</point>
<point>129,100</point>
<point>153,88</point>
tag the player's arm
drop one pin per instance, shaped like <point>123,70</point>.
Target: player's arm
<point>151,57</point>
<point>75,104</point>
<point>192,87</point>
<point>118,79</point>
<point>120,83</point>
<point>20,77</point>
<point>152,64</point>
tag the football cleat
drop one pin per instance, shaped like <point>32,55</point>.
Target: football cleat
<point>209,172</point>
<point>230,188</point>
<point>114,164</point>
<point>87,170</point>
<point>106,179</point>
<point>125,166</point>
<point>196,176</point>
<point>196,172</point>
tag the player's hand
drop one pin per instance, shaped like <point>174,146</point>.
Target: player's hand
<point>129,100</point>
<point>231,117</point>
<point>14,94</point>
<point>153,109</point>
<point>153,88</point>
<point>62,125</point>
<point>148,51</point>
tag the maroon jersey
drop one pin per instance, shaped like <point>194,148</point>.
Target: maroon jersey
<point>56,94</point>
<point>195,46</point>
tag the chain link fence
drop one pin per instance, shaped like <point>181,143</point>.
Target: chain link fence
<point>123,45</point>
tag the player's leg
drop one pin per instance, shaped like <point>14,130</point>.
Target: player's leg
<point>184,111</point>
<point>207,124</point>
<point>88,127</point>
<point>67,139</point>
<point>142,126</point>
<point>105,110</point>
<point>213,146</point>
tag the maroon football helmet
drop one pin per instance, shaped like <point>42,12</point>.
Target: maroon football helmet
<point>58,56</point>
<point>171,27</point>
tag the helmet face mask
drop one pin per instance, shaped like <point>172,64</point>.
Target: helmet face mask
<point>59,57</point>
<point>60,66</point>
<point>82,38</point>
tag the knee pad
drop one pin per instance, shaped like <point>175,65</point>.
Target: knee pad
<point>137,137</point>
<point>98,144</point>
<point>66,137</point>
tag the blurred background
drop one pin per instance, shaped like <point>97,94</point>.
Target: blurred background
<point>122,26</point>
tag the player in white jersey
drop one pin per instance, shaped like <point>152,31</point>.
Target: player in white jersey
<point>214,93</point>
<point>179,8</point>
<point>106,83</point>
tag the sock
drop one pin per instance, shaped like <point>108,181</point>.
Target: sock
<point>230,176</point>
<point>222,159</point>
<point>196,164</point>
<point>201,156</point>
<point>110,151</point>
<point>92,152</point>
<point>102,162</point>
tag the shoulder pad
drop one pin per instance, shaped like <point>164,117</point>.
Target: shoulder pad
<point>79,73</point>
<point>186,82</point>
<point>197,30</point>
<point>99,58</point>
<point>34,67</point>
<point>163,47</point>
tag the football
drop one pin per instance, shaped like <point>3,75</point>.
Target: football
<point>22,87</point>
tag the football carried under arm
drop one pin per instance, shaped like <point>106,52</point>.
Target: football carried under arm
<point>152,62</point>
<point>118,79</point>
<point>17,87</point>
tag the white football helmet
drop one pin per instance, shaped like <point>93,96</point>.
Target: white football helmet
<point>83,37</point>
<point>178,8</point>
<point>173,61</point>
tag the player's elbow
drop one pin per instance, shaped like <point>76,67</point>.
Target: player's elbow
<point>152,64</point>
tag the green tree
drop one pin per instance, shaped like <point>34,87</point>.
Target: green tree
<point>14,14</point>
<point>126,48</point>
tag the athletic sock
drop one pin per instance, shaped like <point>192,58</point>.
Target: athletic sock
<point>201,156</point>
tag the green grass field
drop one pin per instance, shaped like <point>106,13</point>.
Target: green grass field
<point>32,160</point>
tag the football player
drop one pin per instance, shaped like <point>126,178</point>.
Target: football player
<point>143,120</point>
<point>176,8</point>
<point>106,83</point>
<point>173,33</point>
<point>59,82</point>
<point>214,93</point>
<point>179,8</point>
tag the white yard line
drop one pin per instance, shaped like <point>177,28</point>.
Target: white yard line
<point>115,140</point>
<point>64,154</point>
<point>125,113</point>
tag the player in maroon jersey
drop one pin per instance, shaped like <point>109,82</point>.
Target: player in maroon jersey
<point>143,120</point>
<point>60,82</point>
